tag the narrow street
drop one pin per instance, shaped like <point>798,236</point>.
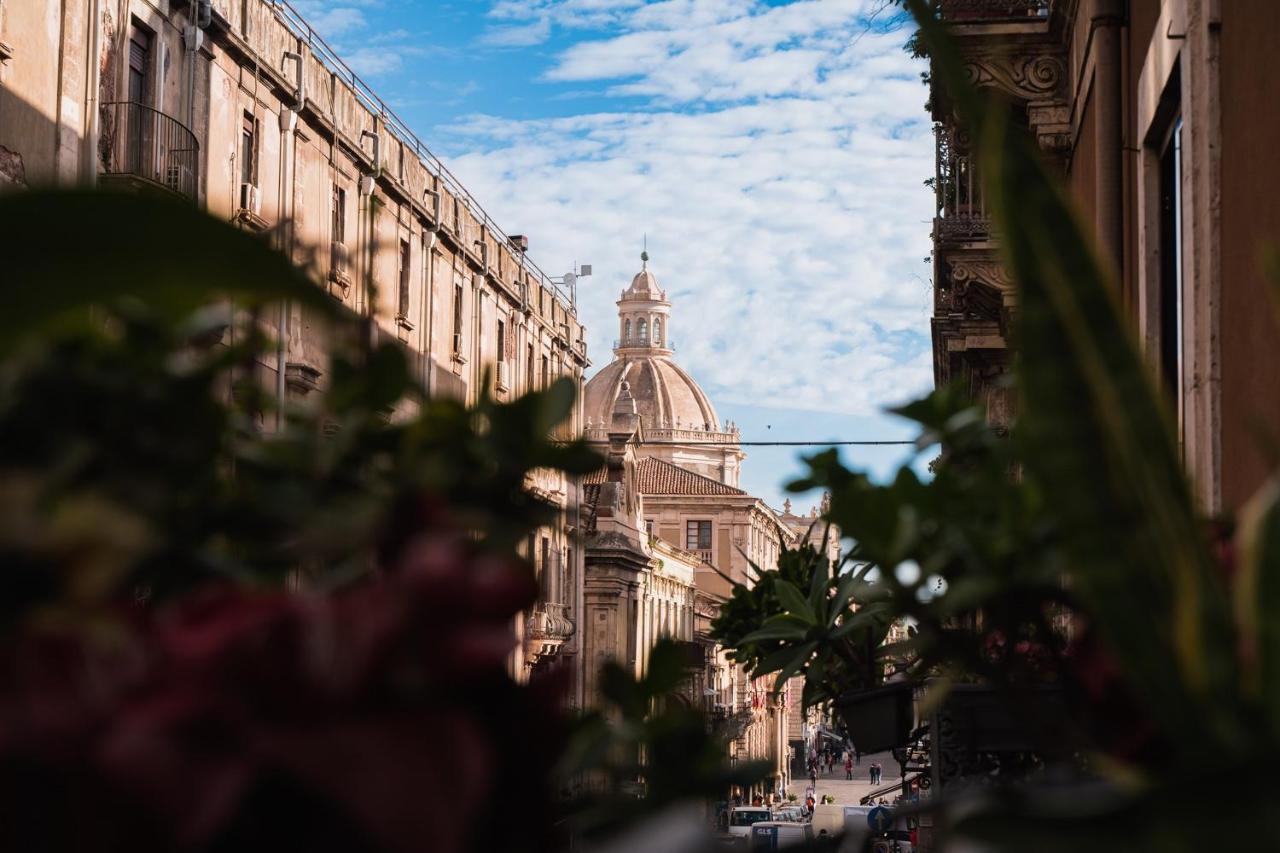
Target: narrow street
<point>850,792</point>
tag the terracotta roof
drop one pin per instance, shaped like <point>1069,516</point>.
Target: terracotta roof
<point>662,478</point>
<point>657,477</point>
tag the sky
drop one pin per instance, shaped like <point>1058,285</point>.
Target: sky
<point>771,152</point>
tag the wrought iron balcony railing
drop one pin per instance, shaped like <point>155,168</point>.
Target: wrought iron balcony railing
<point>992,11</point>
<point>140,142</point>
<point>961,213</point>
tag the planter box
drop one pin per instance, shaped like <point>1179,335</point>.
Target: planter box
<point>984,719</point>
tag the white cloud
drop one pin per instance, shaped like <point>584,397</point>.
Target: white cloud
<point>776,169</point>
<point>373,61</point>
<point>520,35</point>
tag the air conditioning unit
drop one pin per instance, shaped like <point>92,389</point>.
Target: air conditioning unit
<point>179,179</point>
<point>504,376</point>
<point>338,257</point>
<point>250,199</point>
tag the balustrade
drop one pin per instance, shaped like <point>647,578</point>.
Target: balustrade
<point>961,209</point>
<point>989,11</point>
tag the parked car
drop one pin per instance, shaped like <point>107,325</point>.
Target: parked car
<point>789,813</point>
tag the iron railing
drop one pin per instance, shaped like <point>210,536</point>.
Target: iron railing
<point>643,342</point>
<point>961,212</point>
<point>989,11</point>
<point>140,142</point>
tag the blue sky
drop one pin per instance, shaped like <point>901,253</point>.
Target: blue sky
<point>772,150</point>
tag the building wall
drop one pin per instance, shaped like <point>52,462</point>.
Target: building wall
<point>1250,106</point>
<point>59,62</point>
<point>1127,70</point>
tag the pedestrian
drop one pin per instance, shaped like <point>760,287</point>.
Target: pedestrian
<point>848,767</point>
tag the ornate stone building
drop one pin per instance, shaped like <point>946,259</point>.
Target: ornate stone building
<point>241,107</point>
<point>673,475</point>
<point>1157,113</point>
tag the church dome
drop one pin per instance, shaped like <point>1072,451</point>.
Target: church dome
<point>675,417</point>
<point>666,397</point>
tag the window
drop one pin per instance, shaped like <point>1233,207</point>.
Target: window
<point>698,535</point>
<point>528,366</point>
<point>657,331</point>
<point>502,341</point>
<point>1171,247</point>
<point>249,150</point>
<point>457,318</point>
<point>338,228</point>
<point>626,332</point>
<point>544,575</point>
<point>546,371</point>
<point>648,526</point>
<point>139,64</point>
<point>542,301</point>
<point>402,293</point>
<point>642,331</point>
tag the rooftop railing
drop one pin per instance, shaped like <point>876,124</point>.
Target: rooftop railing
<point>144,143</point>
<point>293,19</point>
<point>993,11</point>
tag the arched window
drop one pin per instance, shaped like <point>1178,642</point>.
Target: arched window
<point>657,330</point>
<point>626,332</point>
<point>642,330</point>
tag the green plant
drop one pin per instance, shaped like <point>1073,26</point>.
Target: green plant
<point>162,690</point>
<point>645,750</point>
<point>1069,551</point>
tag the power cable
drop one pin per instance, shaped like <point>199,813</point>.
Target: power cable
<point>780,443</point>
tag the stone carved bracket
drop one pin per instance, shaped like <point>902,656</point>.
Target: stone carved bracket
<point>976,287</point>
<point>1026,76</point>
<point>1039,80</point>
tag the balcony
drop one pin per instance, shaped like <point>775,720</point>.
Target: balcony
<point>619,343</point>
<point>547,628</point>
<point>993,11</point>
<point>961,214</point>
<point>140,144</point>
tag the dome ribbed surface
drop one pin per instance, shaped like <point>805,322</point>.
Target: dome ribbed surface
<point>666,397</point>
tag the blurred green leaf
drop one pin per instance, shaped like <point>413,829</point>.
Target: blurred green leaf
<point>1257,599</point>
<point>1098,436</point>
<point>164,253</point>
<point>793,602</point>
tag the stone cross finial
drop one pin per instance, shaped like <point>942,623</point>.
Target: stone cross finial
<point>786,506</point>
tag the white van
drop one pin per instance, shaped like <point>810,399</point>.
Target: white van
<point>741,819</point>
<point>771,835</point>
<point>836,819</point>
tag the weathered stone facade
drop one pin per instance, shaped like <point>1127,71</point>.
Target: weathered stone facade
<point>1156,112</point>
<point>241,107</point>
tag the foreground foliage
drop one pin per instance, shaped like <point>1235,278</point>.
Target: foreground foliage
<point>1070,552</point>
